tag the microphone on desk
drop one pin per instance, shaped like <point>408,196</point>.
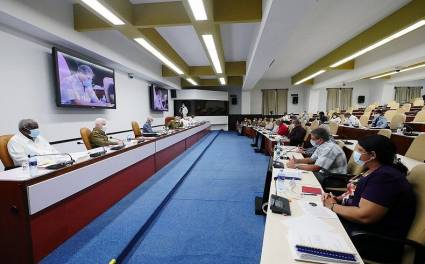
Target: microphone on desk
<point>60,164</point>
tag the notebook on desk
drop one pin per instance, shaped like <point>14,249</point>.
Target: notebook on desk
<point>320,247</point>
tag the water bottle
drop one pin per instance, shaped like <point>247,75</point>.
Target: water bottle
<point>128,138</point>
<point>32,164</point>
<point>399,129</point>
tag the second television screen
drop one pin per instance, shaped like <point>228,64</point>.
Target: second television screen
<point>159,98</point>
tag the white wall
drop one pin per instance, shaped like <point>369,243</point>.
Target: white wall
<point>256,96</point>
<point>217,122</point>
<point>28,91</point>
<point>235,109</point>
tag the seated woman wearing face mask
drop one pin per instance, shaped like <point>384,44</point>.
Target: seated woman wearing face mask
<point>28,142</point>
<point>383,201</point>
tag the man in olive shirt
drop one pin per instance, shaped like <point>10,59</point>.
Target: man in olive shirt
<point>98,137</point>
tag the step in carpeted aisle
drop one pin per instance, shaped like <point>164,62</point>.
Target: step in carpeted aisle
<point>210,219</point>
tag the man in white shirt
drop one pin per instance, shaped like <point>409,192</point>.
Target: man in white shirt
<point>28,142</point>
<point>351,120</point>
<point>77,89</point>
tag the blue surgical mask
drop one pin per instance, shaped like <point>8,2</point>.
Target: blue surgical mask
<point>356,157</point>
<point>34,133</point>
<point>313,143</point>
<point>87,83</point>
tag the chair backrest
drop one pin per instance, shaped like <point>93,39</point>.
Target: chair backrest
<point>168,119</point>
<point>420,116</point>
<point>417,148</point>
<point>416,233</point>
<point>333,128</point>
<point>136,129</point>
<point>369,108</point>
<point>4,152</point>
<point>389,114</point>
<point>418,102</point>
<point>307,134</point>
<point>407,107</point>
<point>364,120</point>
<point>85,136</point>
<point>315,124</point>
<point>401,110</point>
<point>393,105</point>
<point>397,121</point>
<point>385,132</point>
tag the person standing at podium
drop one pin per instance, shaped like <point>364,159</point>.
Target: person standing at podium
<point>98,137</point>
<point>28,142</point>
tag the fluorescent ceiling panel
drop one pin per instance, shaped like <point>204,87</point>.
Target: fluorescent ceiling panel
<point>103,11</point>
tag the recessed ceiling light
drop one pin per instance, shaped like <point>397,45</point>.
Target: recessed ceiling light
<point>192,81</point>
<point>222,80</point>
<point>310,77</point>
<point>398,71</point>
<point>158,54</point>
<point>212,50</point>
<point>413,67</point>
<point>380,43</point>
<point>198,9</point>
<point>103,11</point>
<point>383,75</point>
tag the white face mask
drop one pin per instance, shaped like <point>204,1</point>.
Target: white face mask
<point>313,143</point>
<point>104,128</point>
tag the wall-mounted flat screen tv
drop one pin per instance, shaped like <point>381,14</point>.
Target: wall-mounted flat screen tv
<point>158,98</point>
<point>83,83</point>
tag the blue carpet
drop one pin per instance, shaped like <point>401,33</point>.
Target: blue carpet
<point>211,219</point>
<point>106,236</point>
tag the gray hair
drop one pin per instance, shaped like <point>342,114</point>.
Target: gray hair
<point>99,121</point>
<point>296,121</point>
<point>27,124</point>
<point>321,133</point>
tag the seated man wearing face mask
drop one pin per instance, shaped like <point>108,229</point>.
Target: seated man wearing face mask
<point>328,156</point>
<point>147,127</point>
<point>28,142</point>
<point>98,137</point>
<point>379,120</point>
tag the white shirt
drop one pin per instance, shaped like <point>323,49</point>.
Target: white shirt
<point>20,147</point>
<point>352,121</point>
<point>336,120</point>
<point>73,89</point>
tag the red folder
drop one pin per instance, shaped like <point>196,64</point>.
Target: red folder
<point>312,190</point>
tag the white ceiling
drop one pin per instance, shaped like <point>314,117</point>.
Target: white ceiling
<point>186,43</point>
<point>237,39</point>
<point>297,33</point>
<point>326,27</point>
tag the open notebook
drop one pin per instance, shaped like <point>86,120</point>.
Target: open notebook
<point>320,247</point>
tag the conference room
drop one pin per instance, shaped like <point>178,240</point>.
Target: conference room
<point>212,131</point>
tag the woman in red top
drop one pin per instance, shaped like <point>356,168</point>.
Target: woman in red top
<point>283,129</point>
